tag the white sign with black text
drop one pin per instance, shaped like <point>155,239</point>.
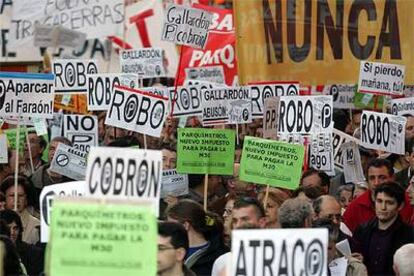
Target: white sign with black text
<point>213,74</point>
<point>69,162</point>
<point>402,106</point>
<point>81,130</point>
<point>382,131</point>
<point>321,152</point>
<point>280,252</point>
<point>71,75</point>
<point>119,173</point>
<point>145,62</point>
<point>4,156</point>
<point>342,94</point>
<point>353,172</point>
<point>137,110</point>
<point>339,138</point>
<point>54,36</point>
<point>173,183</point>
<point>73,189</point>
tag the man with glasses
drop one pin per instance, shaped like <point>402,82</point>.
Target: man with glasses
<point>326,207</point>
<point>172,248</point>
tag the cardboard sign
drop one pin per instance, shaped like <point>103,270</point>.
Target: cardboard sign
<point>187,100</point>
<point>305,114</point>
<point>402,106</point>
<point>133,174</point>
<point>173,183</point>
<point>97,18</point>
<point>81,130</point>
<point>280,252</point>
<point>186,26</point>
<point>383,132</point>
<point>271,162</point>
<point>271,118</point>
<point>4,156</point>
<point>338,139</point>
<point>381,78</point>
<point>321,152</point>
<point>146,62</point>
<point>203,151</point>
<point>137,110</point>
<point>228,105</point>
<point>353,172</point>
<point>26,95</point>
<point>342,94</point>
<point>69,162</point>
<point>213,74</point>
<point>71,75</point>
<point>40,126</point>
<point>100,87</point>
<point>219,50</point>
<point>48,194</point>
<point>88,238</point>
<point>54,36</point>
<point>260,91</point>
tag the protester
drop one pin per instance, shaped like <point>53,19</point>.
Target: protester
<point>248,210</point>
<point>11,259</point>
<point>315,179</point>
<point>344,195</point>
<point>275,198</point>
<point>403,260</point>
<point>295,213</point>
<point>33,151</point>
<point>403,177</point>
<point>379,238</point>
<point>327,207</point>
<point>8,168</point>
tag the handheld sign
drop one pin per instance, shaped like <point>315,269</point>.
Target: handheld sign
<point>145,62</point>
<point>213,74</point>
<point>54,36</point>
<point>402,106</point>
<point>271,118</point>
<point>47,196</point>
<point>381,78</point>
<point>137,110</point>
<point>338,139</point>
<point>119,173</point>
<point>81,130</point>
<point>342,95</point>
<point>280,252</point>
<point>69,162</point>
<point>26,95</point>
<point>305,114</point>
<point>260,91</point>
<point>186,26</point>
<point>173,183</point>
<point>321,152</point>
<point>4,156</point>
<point>71,75</point>
<point>271,162</point>
<point>205,151</point>
<point>88,238</point>
<point>353,172</point>
<point>383,132</point>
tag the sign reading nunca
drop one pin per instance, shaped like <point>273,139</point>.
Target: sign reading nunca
<point>284,40</point>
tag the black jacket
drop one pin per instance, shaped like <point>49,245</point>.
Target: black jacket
<point>402,233</point>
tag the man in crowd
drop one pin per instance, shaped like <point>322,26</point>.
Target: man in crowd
<point>327,207</point>
<point>316,180</point>
<point>404,176</point>
<point>33,150</point>
<point>403,260</point>
<point>172,248</point>
<point>248,211</point>
<point>362,209</point>
<point>379,238</point>
<point>295,213</point>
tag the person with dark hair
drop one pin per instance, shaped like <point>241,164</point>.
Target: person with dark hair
<point>11,260</point>
<point>205,235</point>
<point>31,256</point>
<point>30,223</point>
<point>403,177</point>
<point>344,194</point>
<point>315,179</point>
<point>362,208</point>
<point>33,150</point>
<point>172,248</point>
<point>409,126</point>
<point>248,210</point>
<point>327,207</point>
<point>379,238</point>
<point>9,167</point>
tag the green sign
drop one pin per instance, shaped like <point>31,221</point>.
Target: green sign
<point>368,101</point>
<point>102,239</point>
<point>204,150</point>
<point>12,135</point>
<point>271,162</point>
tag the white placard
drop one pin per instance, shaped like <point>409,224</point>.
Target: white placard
<point>321,152</point>
<point>402,106</point>
<point>81,130</point>
<point>69,162</point>
<point>186,26</point>
<point>100,87</point>
<point>338,138</point>
<point>54,36</point>
<point>260,91</point>
<point>226,105</point>
<point>76,188</point>
<point>353,172</point>
<point>381,78</point>
<point>213,74</point>
<point>40,126</point>
<point>305,114</point>
<point>4,156</point>
<point>271,117</point>
<point>173,183</point>
<point>26,95</point>
<point>137,110</point>
<point>145,62</point>
<point>338,267</point>
<point>120,173</point>
<point>382,131</point>
<point>342,94</point>
<point>280,252</point>
<point>72,75</point>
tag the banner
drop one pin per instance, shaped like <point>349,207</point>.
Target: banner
<point>81,130</point>
<point>280,252</point>
<point>271,162</point>
<point>146,62</point>
<point>205,151</point>
<point>26,95</point>
<point>120,173</point>
<point>219,51</point>
<point>383,132</point>
<point>402,106</point>
<point>47,196</point>
<point>88,238</point>
<point>69,162</point>
<point>137,110</point>
<point>173,183</point>
<point>305,114</point>
<point>321,42</point>
<point>71,75</point>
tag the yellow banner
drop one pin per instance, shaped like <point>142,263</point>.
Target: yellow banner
<point>321,42</point>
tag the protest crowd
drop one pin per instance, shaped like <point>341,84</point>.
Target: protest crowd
<point>206,137</point>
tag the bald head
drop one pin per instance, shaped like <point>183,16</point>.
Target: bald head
<point>403,264</point>
<point>327,206</point>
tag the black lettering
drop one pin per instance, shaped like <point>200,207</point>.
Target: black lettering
<point>119,170</point>
<point>132,166</point>
<point>254,244</point>
<point>283,262</point>
<point>392,38</point>
<point>241,261</point>
<point>93,184</point>
<point>296,53</point>
<point>273,32</point>
<point>267,261</point>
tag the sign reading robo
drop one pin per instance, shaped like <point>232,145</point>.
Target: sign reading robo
<point>26,95</point>
<point>71,75</point>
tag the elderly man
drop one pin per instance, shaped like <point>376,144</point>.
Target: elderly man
<point>295,213</point>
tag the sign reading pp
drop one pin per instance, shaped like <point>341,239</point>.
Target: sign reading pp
<point>137,110</point>
<point>71,75</point>
<point>81,130</point>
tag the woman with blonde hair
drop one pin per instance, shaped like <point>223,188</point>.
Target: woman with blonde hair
<point>274,200</point>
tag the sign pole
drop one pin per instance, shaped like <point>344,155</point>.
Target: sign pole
<point>266,197</point>
<point>205,191</point>
<point>16,170</point>
<point>30,150</point>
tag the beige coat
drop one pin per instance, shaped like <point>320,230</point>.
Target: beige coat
<point>31,226</point>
